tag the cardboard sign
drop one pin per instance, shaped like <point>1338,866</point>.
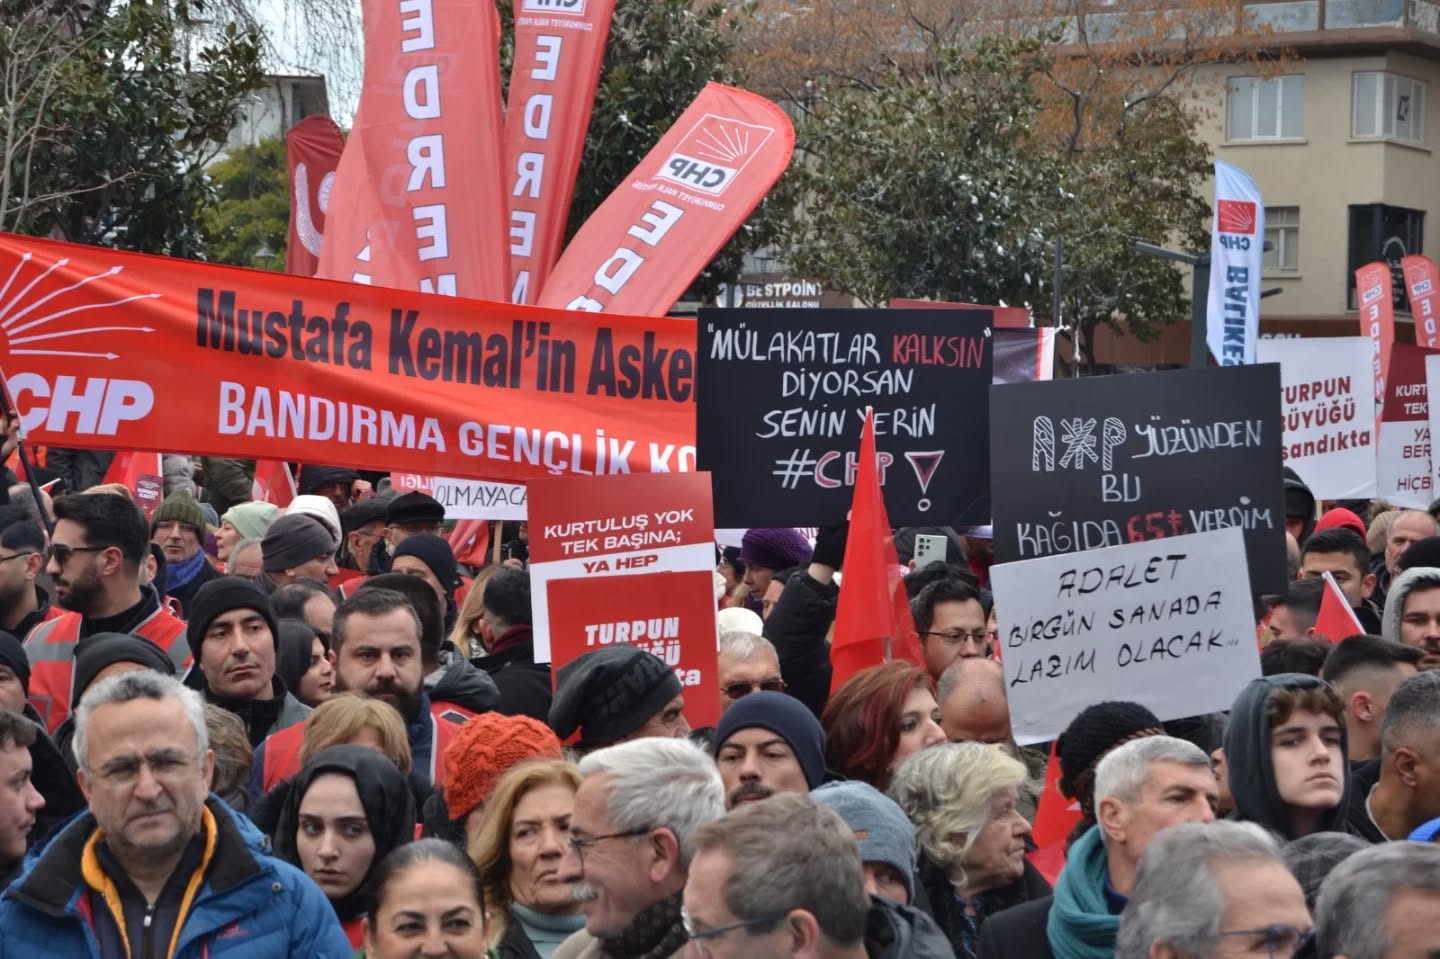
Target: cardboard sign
<point>1166,624</point>
<point>1105,460</point>
<point>1328,412</point>
<point>669,614</point>
<point>616,525</point>
<point>479,499</point>
<point>1403,469</point>
<point>781,398</point>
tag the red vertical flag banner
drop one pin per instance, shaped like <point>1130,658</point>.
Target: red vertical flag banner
<point>273,483</point>
<point>1337,620</point>
<point>1422,283</point>
<point>419,196</point>
<point>650,238</point>
<point>1377,320</point>
<point>1054,818</point>
<point>559,48</point>
<point>141,474</point>
<point>873,622</point>
<point>312,148</point>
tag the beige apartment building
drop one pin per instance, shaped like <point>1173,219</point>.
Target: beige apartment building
<point>1344,145</point>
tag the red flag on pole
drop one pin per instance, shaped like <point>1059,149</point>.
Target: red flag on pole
<point>1374,287</point>
<point>872,623</point>
<point>1337,620</point>
<point>312,148</point>
<point>470,542</point>
<point>273,483</point>
<point>1055,817</point>
<point>1422,285</point>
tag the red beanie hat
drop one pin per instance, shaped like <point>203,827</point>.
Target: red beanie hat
<point>1341,519</point>
<point>484,750</point>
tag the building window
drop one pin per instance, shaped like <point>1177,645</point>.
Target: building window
<point>1389,105</point>
<point>1282,238</point>
<point>1387,233</point>
<point>1265,109</point>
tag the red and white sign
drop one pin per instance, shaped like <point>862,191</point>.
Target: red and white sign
<point>650,238</point>
<point>582,527</point>
<point>1403,472</point>
<point>559,47</point>
<point>1422,283</point>
<point>312,148</point>
<point>1374,288</point>
<point>1236,216</point>
<point>669,614</point>
<point>419,199</point>
<point>141,474</point>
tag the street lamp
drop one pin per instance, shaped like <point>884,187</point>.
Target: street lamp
<point>1199,264</point>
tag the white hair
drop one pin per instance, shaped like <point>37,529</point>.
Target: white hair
<point>1352,913</point>
<point>253,542</point>
<point>743,645</point>
<point>142,684</point>
<point>654,783</point>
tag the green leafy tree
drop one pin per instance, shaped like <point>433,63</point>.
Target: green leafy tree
<point>248,225</point>
<point>107,113</point>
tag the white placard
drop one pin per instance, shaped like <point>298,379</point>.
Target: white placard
<point>1327,410</point>
<point>1166,623</point>
<point>480,499</point>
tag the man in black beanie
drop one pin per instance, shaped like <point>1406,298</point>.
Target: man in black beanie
<point>296,546</point>
<point>100,657</point>
<point>48,772</point>
<point>768,743</point>
<point>339,484</point>
<point>429,557</point>
<point>617,694</point>
<point>233,635</point>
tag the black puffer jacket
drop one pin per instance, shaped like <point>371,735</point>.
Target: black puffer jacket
<point>798,626</point>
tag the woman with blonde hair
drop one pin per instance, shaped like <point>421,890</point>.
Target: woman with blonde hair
<point>466,635</point>
<point>517,852</point>
<point>350,718</point>
<point>963,799</point>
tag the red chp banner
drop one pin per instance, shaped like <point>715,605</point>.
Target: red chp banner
<point>559,47</point>
<point>312,148</point>
<point>650,238</point>
<point>1422,282</point>
<point>1377,320</point>
<point>219,361</point>
<point>420,201</point>
<point>669,614</point>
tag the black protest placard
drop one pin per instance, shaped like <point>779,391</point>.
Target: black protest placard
<point>781,400</point>
<point>1106,460</point>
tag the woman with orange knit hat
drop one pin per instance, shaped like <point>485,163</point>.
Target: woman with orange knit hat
<point>482,751</point>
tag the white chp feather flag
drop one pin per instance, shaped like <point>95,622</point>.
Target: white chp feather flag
<point>1237,247</point>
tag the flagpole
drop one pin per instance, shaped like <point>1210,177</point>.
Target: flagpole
<point>29,469</point>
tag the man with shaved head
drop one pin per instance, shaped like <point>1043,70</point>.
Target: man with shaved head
<point>973,709</point>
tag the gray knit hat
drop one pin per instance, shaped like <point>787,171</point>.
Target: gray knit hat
<point>610,693</point>
<point>294,539</point>
<point>880,826</point>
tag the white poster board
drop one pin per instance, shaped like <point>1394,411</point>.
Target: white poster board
<point>480,499</point>
<point>1166,623</point>
<point>1327,410</point>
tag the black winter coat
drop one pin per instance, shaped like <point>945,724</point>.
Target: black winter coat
<point>797,627</point>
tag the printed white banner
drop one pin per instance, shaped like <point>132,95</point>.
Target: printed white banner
<point>1165,623</point>
<point>1327,409</point>
<point>1237,249</point>
<point>480,499</point>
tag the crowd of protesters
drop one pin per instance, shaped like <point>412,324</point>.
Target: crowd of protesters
<point>236,730</point>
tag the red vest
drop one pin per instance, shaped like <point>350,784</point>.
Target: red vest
<point>282,749</point>
<point>51,650</point>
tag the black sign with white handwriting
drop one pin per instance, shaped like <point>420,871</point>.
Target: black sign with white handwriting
<point>781,399</point>
<point>1100,461</point>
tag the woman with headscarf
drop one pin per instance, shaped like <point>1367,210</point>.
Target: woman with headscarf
<point>346,809</point>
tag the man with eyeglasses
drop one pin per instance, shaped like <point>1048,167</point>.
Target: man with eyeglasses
<point>158,866</point>
<point>746,663</point>
<point>94,561</point>
<point>783,878</point>
<point>1381,903</point>
<point>950,616</point>
<point>768,743</point>
<point>24,604</point>
<point>1208,890</point>
<point>636,812</point>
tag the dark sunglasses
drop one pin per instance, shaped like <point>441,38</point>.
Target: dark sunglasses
<point>61,553</point>
<point>736,690</point>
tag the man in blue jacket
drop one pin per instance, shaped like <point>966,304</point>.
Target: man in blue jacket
<point>157,866</point>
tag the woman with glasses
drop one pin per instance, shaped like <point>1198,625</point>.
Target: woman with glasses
<point>426,895</point>
<point>345,811</point>
<point>877,718</point>
<point>517,850</point>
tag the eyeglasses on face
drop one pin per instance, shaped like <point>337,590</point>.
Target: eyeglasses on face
<point>582,843</point>
<point>701,938</point>
<point>6,559</point>
<point>736,690</point>
<point>1282,942</point>
<point>977,637</point>
<point>61,553</point>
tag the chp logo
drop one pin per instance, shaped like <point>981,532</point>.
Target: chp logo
<point>1236,216</point>
<point>713,153</point>
<point>564,8</point>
